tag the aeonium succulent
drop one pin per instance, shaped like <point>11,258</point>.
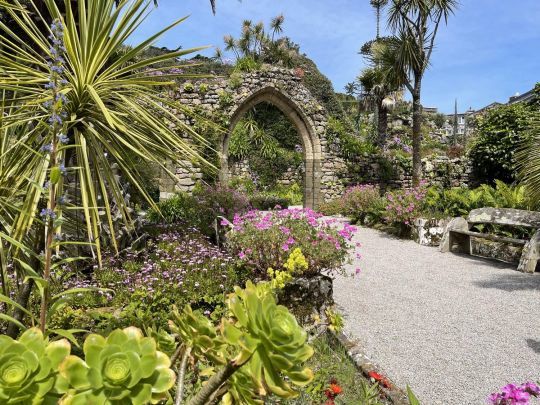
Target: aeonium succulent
<point>28,368</point>
<point>278,344</point>
<point>125,367</point>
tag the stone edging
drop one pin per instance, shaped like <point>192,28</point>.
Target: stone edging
<point>356,353</point>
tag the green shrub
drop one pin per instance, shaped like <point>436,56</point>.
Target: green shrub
<point>500,133</point>
<point>189,88</point>
<point>202,209</point>
<point>203,88</point>
<point>180,208</point>
<point>266,202</point>
<point>357,202</point>
<point>235,80</point>
<point>459,201</point>
<point>225,98</point>
<point>247,64</point>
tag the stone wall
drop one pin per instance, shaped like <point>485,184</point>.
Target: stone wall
<point>391,173</point>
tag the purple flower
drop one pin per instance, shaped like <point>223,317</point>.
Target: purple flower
<point>63,138</point>
<point>47,148</point>
<point>47,213</point>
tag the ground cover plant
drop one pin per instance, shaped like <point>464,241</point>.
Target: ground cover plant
<point>176,267</point>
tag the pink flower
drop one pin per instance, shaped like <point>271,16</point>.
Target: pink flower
<point>241,255</point>
<point>357,271</point>
<point>285,247</point>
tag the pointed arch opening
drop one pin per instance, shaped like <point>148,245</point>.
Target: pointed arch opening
<point>310,142</point>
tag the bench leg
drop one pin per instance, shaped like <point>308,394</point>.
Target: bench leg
<point>462,243</point>
<point>530,255</point>
<point>450,238</point>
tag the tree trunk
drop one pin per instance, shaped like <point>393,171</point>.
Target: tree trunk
<point>417,133</point>
<point>382,127</point>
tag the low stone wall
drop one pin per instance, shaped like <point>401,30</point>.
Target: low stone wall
<point>391,173</point>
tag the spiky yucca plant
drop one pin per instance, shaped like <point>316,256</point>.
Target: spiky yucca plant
<point>116,115</point>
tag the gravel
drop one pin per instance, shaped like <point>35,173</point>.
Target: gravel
<point>453,327</point>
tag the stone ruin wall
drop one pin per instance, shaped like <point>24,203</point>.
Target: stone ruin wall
<point>332,173</point>
<point>227,96</point>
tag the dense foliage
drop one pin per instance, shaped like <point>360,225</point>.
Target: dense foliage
<point>499,136</point>
<point>176,267</point>
<point>202,209</point>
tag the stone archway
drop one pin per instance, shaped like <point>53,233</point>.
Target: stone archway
<point>310,140</point>
<point>233,97</point>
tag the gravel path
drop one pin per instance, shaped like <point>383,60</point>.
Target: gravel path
<point>453,327</point>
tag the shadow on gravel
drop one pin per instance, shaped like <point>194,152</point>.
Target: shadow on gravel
<point>512,282</point>
<point>534,345</point>
<point>487,261</point>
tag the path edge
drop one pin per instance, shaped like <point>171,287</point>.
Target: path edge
<point>356,354</point>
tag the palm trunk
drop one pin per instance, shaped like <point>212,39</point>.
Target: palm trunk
<point>382,127</point>
<point>417,132</point>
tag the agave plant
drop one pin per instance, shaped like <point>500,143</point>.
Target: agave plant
<point>28,368</point>
<point>125,367</point>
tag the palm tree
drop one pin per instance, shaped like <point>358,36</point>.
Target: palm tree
<point>529,155</point>
<point>407,54</point>
<point>379,93</point>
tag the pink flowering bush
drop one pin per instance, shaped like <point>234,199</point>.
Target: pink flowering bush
<point>263,240</point>
<point>513,394</point>
<point>404,206</point>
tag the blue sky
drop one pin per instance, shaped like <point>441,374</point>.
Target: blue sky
<point>489,51</point>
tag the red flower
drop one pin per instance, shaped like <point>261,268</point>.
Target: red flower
<point>336,389</point>
<point>376,376</point>
<point>380,379</point>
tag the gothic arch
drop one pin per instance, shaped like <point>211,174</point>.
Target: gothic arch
<point>310,140</point>
<point>232,98</point>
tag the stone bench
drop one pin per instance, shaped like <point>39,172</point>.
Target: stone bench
<point>457,236</point>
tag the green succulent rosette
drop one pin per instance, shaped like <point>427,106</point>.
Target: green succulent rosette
<point>28,368</point>
<point>124,368</point>
<point>273,345</point>
<point>197,331</point>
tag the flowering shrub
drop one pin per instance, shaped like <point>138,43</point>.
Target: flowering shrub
<point>263,240</point>
<point>202,209</point>
<point>176,268</point>
<point>512,394</point>
<point>404,206</point>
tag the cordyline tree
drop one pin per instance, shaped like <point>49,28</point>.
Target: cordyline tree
<point>406,54</point>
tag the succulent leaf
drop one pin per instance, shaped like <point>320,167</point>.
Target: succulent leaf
<point>28,368</point>
<point>125,367</point>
